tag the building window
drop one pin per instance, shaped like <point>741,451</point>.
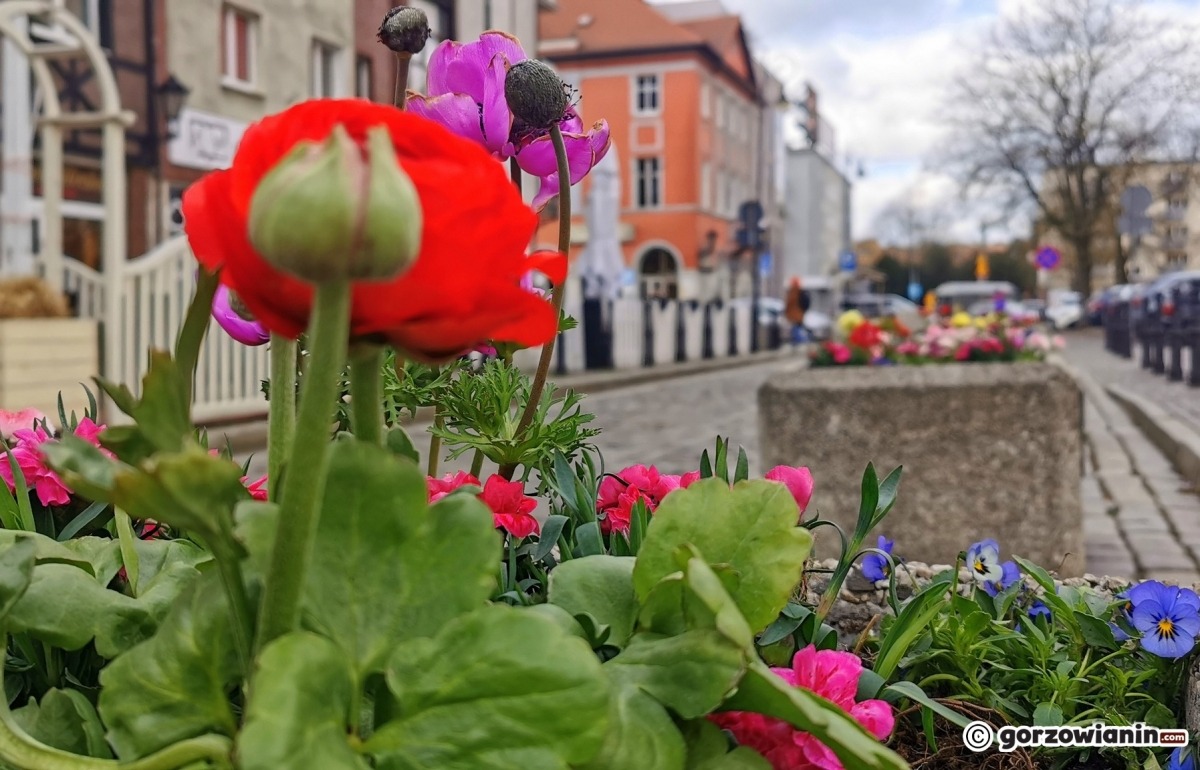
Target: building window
<point>363,78</point>
<point>325,70</point>
<point>649,183</point>
<point>647,95</point>
<point>239,41</point>
<point>705,99</point>
<point>441,27</point>
<point>1177,208</point>
<point>96,15</point>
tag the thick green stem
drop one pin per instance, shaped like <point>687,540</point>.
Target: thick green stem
<point>564,246</point>
<point>477,463</point>
<point>366,393</point>
<point>435,443</point>
<point>195,326</point>
<point>303,490</point>
<point>282,418</point>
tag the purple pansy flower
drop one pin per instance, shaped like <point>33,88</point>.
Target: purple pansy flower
<point>1168,618</point>
<point>466,95</point>
<point>1009,574</point>
<point>242,329</point>
<point>983,560</point>
<point>874,566</point>
<point>1039,608</point>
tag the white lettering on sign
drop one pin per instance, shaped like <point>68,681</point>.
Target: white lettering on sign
<point>204,141</point>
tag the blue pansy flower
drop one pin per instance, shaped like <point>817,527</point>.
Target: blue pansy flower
<point>1181,759</point>
<point>1168,618</point>
<point>1039,609</point>
<point>983,560</point>
<point>1009,574</point>
<point>1126,614</point>
<point>874,566</point>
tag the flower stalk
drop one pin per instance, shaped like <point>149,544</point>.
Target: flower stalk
<point>366,393</point>
<point>302,492</point>
<point>281,424</point>
<point>564,246</point>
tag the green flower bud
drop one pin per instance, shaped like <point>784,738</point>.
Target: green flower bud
<point>335,210</point>
<point>535,94</point>
<point>404,30</point>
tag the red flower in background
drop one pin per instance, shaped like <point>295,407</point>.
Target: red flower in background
<point>866,336</point>
<point>617,496</point>
<point>464,287</point>
<point>511,509</point>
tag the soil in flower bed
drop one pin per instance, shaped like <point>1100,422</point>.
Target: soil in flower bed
<point>910,742</point>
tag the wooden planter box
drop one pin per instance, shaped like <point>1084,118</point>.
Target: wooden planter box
<point>989,451</point>
<point>42,357</point>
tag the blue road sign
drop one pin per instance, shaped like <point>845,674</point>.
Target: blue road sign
<point>764,264</point>
<point>848,261</point>
<point>915,291</point>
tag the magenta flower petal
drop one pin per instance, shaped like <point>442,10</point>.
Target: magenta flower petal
<point>495,116</point>
<point>462,67</point>
<point>457,112</point>
<point>584,151</point>
<point>799,482</point>
<point>244,331</point>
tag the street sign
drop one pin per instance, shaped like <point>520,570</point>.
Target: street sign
<point>750,214</point>
<point>915,291</point>
<point>848,261</point>
<point>1048,258</point>
<point>764,264</point>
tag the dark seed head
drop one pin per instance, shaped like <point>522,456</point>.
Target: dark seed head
<point>404,29</point>
<point>535,94</point>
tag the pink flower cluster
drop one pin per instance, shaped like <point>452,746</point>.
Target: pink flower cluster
<point>26,445</point>
<point>512,509</point>
<point>617,495</point>
<point>834,676</point>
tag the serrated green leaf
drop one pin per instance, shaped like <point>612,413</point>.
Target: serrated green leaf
<point>174,685</point>
<point>751,527</point>
<point>299,706</point>
<point>601,586</point>
<point>65,720</point>
<point>82,466</point>
<point>498,688</point>
<point>388,568</point>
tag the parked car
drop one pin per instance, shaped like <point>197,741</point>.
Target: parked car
<point>1036,306</point>
<point>1065,309</point>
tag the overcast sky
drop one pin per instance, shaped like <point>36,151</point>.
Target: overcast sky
<point>881,68</point>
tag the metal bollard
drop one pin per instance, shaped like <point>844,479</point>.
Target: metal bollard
<point>1175,340</point>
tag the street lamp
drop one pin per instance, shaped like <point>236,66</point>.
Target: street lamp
<point>171,95</point>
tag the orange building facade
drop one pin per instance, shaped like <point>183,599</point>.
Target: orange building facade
<point>683,108</point>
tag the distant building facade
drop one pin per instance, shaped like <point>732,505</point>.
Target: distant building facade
<point>683,98</point>
<point>816,214</point>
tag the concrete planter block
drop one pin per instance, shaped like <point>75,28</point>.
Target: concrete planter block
<point>989,450</point>
<point>42,357</point>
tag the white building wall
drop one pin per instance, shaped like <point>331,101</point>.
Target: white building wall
<point>816,215</point>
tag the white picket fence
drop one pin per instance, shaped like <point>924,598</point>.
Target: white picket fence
<point>155,291</point>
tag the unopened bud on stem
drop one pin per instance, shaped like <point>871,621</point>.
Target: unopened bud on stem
<point>535,94</point>
<point>336,210</point>
<point>404,30</point>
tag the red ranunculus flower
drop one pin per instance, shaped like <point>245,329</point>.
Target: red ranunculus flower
<point>465,285</point>
<point>866,335</point>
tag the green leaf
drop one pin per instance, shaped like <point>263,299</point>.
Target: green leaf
<point>254,527</point>
<point>1096,632</point>
<point>16,571</point>
<point>299,708</point>
<point>868,504</point>
<point>889,489</point>
<point>190,489</point>
<point>763,692</point>
<point>67,608</point>
<point>601,586</point>
<point>641,735</point>
<point>65,720</point>
<point>911,623</point>
<point>691,674</point>
<point>587,540</point>
<point>552,528</point>
<point>174,685</point>
<point>82,466</point>
<point>83,520</point>
<point>497,689</point>
<point>1047,715</point>
<point>388,568</point>
<point>751,527</point>
<point>399,443</point>
<point>741,470</point>
<point>708,749</point>
<point>163,414</point>
<point>101,554</point>
<point>913,691</point>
